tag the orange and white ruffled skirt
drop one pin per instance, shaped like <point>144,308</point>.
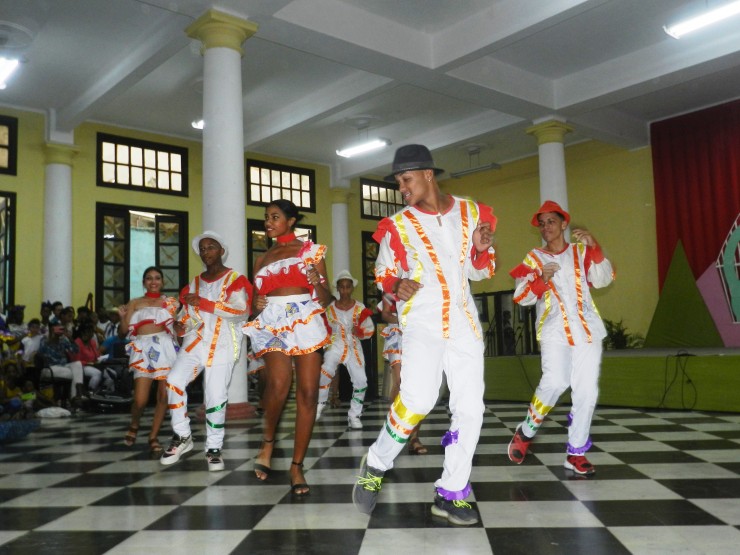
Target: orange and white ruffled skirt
<point>392,346</point>
<point>291,324</point>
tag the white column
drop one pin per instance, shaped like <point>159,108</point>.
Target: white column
<point>553,183</point>
<point>340,227</point>
<point>57,265</point>
<point>224,196</point>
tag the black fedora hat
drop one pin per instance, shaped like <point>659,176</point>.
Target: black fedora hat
<point>412,157</point>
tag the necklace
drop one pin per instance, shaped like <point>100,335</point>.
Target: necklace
<point>152,295</point>
<point>287,238</point>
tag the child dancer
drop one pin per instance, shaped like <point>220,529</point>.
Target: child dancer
<point>350,322</point>
<point>148,321</point>
<point>215,306</point>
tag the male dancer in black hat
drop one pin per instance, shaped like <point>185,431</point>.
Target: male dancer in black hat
<point>428,253</point>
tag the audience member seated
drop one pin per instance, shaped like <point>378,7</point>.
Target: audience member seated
<point>54,351</point>
<point>32,341</point>
<point>67,318</point>
<point>15,320</point>
<point>9,342</point>
<point>33,400</point>
<point>114,347</point>
<point>114,319</point>
<point>44,316</point>
<point>88,354</point>
<point>11,403</point>
<point>56,312</point>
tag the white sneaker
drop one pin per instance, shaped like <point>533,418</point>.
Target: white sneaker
<point>354,422</point>
<point>319,409</point>
<point>178,447</point>
<point>215,460</point>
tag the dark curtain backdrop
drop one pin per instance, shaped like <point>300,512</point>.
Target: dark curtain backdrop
<point>696,169</point>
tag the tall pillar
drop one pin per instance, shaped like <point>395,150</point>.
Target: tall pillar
<point>224,195</point>
<point>553,184</point>
<point>339,227</point>
<point>58,222</point>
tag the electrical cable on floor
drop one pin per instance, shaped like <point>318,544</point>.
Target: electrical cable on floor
<point>524,371</point>
<point>681,361</point>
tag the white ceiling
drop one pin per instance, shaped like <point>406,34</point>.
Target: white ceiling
<point>445,73</point>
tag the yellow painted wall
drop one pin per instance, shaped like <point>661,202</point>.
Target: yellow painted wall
<point>29,188</point>
<point>610,192</point>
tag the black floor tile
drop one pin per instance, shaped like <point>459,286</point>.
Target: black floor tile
<point>554,541</point>
<point>64,543</point>
<point>305,542</point>
<point>650,512</point>
<point>149,496</point>
<point>212,517</point>
<point>521,491</point>
<point>704,488</point>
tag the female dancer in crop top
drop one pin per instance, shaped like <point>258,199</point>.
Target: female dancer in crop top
<point>292,294</point>
<point>148,322</point>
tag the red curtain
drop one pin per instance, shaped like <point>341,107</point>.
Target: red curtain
<point>696,169</point>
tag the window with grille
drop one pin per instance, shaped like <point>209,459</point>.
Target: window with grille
<point>126,163</point>
<point>267,182</point>
<point>127,241</point>
<point>379,199</point>
<point>8,145</point>
<point>371,295</point>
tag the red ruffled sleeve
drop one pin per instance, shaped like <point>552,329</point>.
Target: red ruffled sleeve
<point>485,214</point>
<point>387,227</point>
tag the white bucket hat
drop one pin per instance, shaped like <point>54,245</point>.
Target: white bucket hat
<point>344,274</point>
<point>210,235</point>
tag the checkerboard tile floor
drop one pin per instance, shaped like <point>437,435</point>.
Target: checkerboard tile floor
<point>666,482</point>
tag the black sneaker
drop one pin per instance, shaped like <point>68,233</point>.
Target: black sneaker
<point>368,485</point>
<point>456,512</point>
<point>178,447</point>
<point>215,460</point>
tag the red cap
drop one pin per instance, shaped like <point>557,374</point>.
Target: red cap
<point>550,206</point>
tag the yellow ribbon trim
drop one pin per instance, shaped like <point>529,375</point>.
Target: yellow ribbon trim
<point>437,270</point>
<point>579,291</point>
<point>405,414</point>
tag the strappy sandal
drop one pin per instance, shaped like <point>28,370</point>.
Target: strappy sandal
<point>261,467</point>
<point>416,447</point>
<point>300,489</point>
<point>130,438</point>
<point>154,446</point>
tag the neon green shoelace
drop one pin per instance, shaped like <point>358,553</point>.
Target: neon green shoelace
<point>460,504</point>
<point>370,483</point>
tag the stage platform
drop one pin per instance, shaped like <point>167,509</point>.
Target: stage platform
<point>677,378</point>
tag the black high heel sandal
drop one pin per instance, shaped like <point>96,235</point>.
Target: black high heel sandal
<point>261,467</point>
<point>300,486</point>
